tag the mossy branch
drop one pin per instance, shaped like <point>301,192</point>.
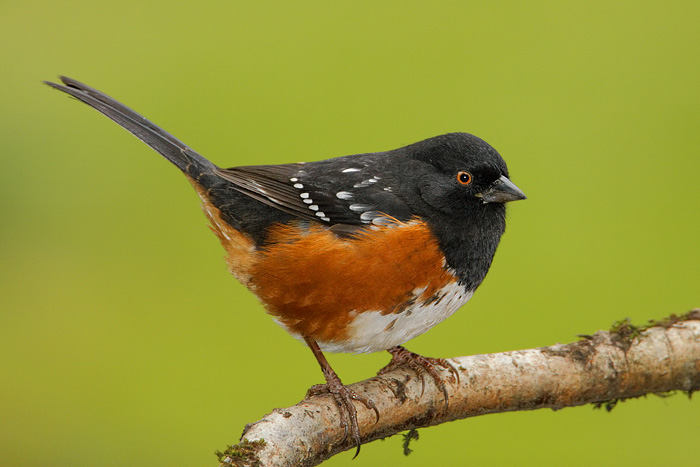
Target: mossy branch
<point>601,369</point>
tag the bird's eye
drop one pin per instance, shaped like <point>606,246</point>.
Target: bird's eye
<point>464,178</point>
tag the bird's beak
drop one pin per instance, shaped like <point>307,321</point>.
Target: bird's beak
<point>502,191</point>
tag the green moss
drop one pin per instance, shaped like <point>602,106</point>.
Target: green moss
<point>609,405</point>
<point>625,333</point>
<point>409,436</point>
<point>244,453</point>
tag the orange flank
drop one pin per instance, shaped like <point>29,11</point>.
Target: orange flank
<point>315,282</point>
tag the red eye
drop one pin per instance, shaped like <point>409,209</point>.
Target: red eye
<point>464,178</point>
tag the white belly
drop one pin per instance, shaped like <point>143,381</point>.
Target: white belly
<point>371,331</point>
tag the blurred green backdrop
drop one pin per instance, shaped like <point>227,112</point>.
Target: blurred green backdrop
<point>123,340</point>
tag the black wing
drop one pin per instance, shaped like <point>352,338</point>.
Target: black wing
<point>346,191</point>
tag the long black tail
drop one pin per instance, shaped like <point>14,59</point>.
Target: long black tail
<point>177,152</point>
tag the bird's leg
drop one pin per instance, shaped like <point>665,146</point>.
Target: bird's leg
<point>342,394</point>
<point>400,356</point>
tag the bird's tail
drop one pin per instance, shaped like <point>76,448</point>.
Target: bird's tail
<point>189,161</point>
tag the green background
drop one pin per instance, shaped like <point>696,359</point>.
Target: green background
<point>123,340</point>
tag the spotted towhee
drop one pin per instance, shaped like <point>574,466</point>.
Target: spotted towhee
<point>354,254</point>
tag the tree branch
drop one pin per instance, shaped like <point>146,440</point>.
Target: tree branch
<point>625,362</point>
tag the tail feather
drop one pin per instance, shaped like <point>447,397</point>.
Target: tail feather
<point>174,150</point>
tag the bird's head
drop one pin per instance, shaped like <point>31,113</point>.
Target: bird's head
<point>458,172</point>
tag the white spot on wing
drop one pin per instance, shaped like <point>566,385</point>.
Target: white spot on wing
<point>298,185</point>
<point>308,201</point>
<point>293,179</point>
<point>313,207</point>
<point>369,215</point>
<point>304,195</point>
<point>320,213</point>
<point>343,195</point>
<point>350,170</point>
<point>360,207</point>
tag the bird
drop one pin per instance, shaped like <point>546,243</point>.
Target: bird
<point>354,254</point>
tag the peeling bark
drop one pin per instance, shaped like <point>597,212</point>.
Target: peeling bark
<point>601,369</point>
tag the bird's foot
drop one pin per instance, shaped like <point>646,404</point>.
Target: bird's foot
<point>421,365</point>
<point>344,397</point>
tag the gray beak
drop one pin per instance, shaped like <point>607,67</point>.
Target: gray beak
<point>502,191</point>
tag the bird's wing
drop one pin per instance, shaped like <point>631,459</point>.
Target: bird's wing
<point>340,192</point>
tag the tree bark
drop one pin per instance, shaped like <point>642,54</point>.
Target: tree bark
<point>601,369</point>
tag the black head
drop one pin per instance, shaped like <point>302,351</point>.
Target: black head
<point>457,173</point>
<point>459,184</point>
